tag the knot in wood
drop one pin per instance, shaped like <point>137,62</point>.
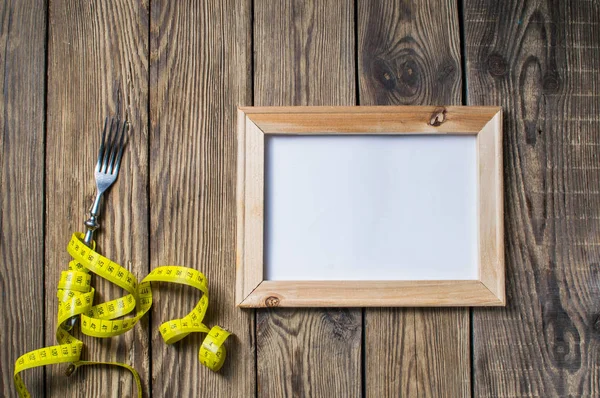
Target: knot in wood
<point>561,350</point>
<point>410,72</point>
<point>70,370</point>
<point>272,301</point>
<point>437,117</point>
<point>384,74</point>
<point>497,65</point>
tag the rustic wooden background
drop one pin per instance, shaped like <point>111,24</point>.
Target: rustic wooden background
<point>178,69</point>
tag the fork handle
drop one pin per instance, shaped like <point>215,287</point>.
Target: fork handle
<point>92,223</point>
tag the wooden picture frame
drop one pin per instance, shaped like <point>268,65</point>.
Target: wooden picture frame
<point>254,123</point>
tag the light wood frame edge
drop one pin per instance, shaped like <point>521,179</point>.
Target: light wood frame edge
<point>491,207</point>
<point>256,122</point>
<point>250,183</point>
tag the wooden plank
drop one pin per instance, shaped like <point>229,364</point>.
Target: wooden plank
<point>97,66</point>
<point>477,112</point>
<point>243,280</point>
<point>304,55</point>
<point>409,53</point>
<point>491,208</point>
<point>371,294</point>
<point>249,260</point>
<point>200,73</point>
<point>455,120</point>
<point>540,61</point>
<point>22,40</point>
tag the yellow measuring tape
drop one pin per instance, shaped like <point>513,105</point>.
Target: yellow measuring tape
<point>76,297</point>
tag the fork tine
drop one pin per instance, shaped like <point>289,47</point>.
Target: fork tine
<point>122,143</point>
<point>101,151</point>
<point>116,145</point>
<point>111,155</point>
<point>109,147</point>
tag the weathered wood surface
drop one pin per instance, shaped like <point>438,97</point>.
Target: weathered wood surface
<point>97,66</point>
<point>540,61</point>
<point>304,55</point>
<point>409,54</point>
<point>179,69</point>
<point>200,73</point>
<point>22,85</point>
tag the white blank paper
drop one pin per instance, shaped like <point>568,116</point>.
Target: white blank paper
<point>400,207</point>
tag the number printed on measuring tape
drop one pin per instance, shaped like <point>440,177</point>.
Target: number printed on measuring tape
<point>76,296</point>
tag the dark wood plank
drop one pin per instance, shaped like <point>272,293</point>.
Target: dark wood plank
<point>540,61</point>
<point>97,66</point>
<point>390,366</point>
<point>200,72</point>
<point>309,352</point>
<point>409,53</point>
<point>22,67</point>
<point>304,55</point>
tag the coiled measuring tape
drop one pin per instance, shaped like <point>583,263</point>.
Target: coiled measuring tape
<point>76,296</point>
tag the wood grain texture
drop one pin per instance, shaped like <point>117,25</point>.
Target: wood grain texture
<point>491,207</point>
<point>200,65</point>
<point>243,281</point>
<point>97,66</point>
<point>409,53</point>
<point>540,61</point>
<point>250,221</point>
<point>387,120</point>
<point>304,55</point>
<point>483,113</point>
<point>22,67</point>
<point>371,294</point>
<point>309,353</point>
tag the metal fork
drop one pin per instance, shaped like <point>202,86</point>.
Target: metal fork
<point>106,173</point>
<point>107,169</point>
